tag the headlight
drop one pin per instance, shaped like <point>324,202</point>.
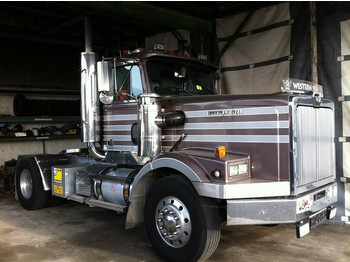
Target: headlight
<point>238,169</point>
<point>233,170</point>
<point>243,168</point>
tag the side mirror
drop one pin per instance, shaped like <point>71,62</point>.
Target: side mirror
<point>104,76</point>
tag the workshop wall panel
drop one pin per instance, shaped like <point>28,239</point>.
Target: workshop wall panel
<point>262,49</point>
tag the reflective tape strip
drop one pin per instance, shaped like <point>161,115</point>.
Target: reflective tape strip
<point>245,111</point>
<point>283,139</point>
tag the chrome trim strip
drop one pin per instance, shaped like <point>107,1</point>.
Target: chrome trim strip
<point>117,137</point>
<point>313,185</point>
<point>117,128</point>
<point>245,111</point>
<point>247,188</point>
<point>132,149</point>
<point>283,139</point>
<point>238,125</point>
<point>120,117</point>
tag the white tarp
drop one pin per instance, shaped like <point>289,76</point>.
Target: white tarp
<point>249,50</point>
<point>345,84</point>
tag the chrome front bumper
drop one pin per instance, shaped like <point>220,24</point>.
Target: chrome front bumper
<point>280,210</point>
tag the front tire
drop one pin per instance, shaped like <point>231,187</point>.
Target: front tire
<point>181,225</point>
<point>29,185</point>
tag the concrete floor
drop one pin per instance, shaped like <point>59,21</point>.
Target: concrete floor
<point>74,232</point>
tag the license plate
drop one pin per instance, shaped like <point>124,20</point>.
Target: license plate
<point>318,218</point>
<point>304,226</point>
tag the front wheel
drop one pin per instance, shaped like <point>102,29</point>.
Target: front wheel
<point>181,225</point>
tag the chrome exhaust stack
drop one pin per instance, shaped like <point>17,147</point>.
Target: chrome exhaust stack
<point>149,134</point>
<point>90,106</point>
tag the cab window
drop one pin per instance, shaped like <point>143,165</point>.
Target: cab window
<point>129,84</point>
<point>180,78</point>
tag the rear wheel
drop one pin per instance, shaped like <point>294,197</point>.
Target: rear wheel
<point>29,185</point>
<point>181,225</point>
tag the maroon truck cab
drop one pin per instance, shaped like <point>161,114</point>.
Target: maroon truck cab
<point>170,152</point>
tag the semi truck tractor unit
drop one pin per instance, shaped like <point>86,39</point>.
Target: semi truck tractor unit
<point>165,149</point>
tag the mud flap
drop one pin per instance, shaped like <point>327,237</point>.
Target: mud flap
<point>304,226</point>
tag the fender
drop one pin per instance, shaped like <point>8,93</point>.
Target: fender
<point>44,163</point>
<point>186,162</point>
<point>179,161</point>
<point>197,164</point>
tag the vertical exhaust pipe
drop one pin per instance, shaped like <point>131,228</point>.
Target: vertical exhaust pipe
<point>90,106</point>
<point>149,134</point>
<point>88,38</point>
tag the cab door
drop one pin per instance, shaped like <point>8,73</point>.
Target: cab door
<point>121,114</point>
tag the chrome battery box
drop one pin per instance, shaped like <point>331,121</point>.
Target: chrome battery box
<point>63,179</point>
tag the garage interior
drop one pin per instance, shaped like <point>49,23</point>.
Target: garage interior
<point>255,45</point>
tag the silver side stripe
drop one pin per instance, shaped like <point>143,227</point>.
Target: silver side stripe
<point>218,125</point>
<point>237,125</point>
<point>284,139</point>
<point>215,138</point>
<point>117,128</point>
<point>120,117</point>
<point>244,111</point>
<point>204,113</point>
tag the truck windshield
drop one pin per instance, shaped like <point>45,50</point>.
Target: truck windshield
<point>174,78</point>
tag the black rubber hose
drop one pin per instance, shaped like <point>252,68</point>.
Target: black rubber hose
<point>171,119</point>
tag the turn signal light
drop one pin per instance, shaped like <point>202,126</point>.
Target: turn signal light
<point>220,151</point>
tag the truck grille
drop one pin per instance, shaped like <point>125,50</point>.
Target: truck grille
<point>314,145</point>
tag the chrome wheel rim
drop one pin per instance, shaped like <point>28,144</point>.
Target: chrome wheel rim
<point>26,184</point>
<point>173,222</point>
